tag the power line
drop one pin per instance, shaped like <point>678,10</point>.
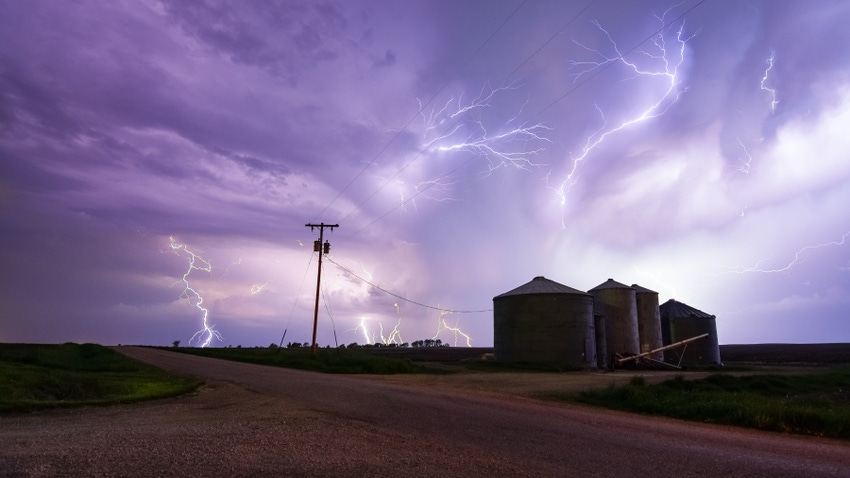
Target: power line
<point>405,298</point>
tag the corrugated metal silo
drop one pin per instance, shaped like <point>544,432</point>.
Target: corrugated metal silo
<point>616,302</point>
<point>649,321</point>
<point>680,322</point>
<point>544,322</point>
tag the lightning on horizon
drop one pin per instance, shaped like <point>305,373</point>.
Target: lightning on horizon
<point>456,331</point>
<point>196,262</point>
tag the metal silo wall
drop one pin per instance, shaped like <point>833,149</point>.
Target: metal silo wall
<point>704,351</point>
<point>618,307</point>
<point>544,328</point>
<point>601,345</point>
<point>649,323</point>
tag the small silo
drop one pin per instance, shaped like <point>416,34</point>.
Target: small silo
<point>649,321</point>
<point>616,303</point>
<point>681,322</point>
<point>544,322</point>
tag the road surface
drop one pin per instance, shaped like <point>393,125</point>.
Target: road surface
<point>255,420</point>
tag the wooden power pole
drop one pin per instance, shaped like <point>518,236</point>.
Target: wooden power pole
<point>322,249</point>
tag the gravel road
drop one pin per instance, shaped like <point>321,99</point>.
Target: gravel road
<point>252,420</point>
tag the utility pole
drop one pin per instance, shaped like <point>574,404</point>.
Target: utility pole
<point>322,249</point>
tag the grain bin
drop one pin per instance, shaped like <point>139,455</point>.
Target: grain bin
<point>544,322</point>
<point>649,321</point>
<point>679,322</point>
<point>616,302</point>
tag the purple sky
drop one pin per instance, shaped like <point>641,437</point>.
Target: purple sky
<point>699,149</point>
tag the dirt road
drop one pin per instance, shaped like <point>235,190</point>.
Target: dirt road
<point>260,421</point>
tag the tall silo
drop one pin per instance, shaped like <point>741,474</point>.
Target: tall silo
<point>649,321</point>
<point>544,322</point>
<point>681,322</point>
<point>616,302</point>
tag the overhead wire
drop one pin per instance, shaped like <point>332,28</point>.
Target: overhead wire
<point>349,271</point>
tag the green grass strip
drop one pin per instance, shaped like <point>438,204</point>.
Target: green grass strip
<point>811,404</point>
<point>325,360</point>
<point>35,377</point>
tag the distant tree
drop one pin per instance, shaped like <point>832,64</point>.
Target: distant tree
<point>272,345</point>
<point>176,343</point>
<point>404,345</point>
<point>438,343</point>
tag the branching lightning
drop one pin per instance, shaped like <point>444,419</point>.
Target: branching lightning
<point>799,257</point>
<point>667,61</point>
<point>196,262</point>
<point>508,146</point>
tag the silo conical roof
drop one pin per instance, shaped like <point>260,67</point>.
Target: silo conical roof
<point>610,284</point>
<point>541,285</point>
<point>673,310</point>
<point>642,290</point>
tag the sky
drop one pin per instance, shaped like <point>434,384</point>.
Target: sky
<point>159,162</point>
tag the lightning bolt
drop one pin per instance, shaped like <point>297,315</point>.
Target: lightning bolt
<point>667,60</point>
<point>395,335</point>
<point>510,144</point>
<point>442,325</point>
<point>800,256</point>
<point>257,288</point>
<point>764,78</point>
<point>369,337</point>
<point>745,167</point>
<point>196,262</point>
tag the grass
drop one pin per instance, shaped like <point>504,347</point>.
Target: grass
<point>35,377</point>
<point>325,360</point>
<point>811,404</point>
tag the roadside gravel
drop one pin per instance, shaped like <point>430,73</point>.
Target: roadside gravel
<point>225,430</point>
<point>251,420</point>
